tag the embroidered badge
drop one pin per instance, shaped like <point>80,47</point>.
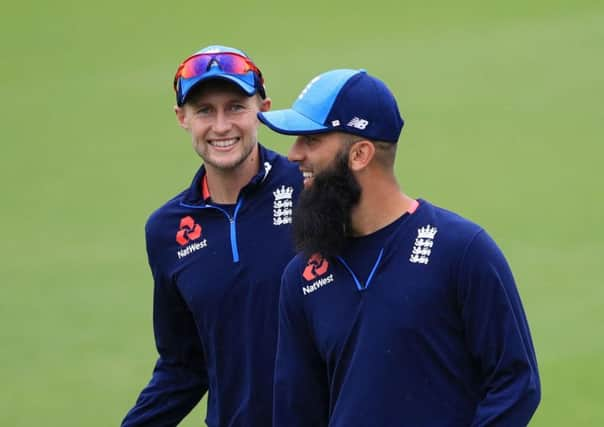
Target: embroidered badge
<point>422,248</point>
<point>186,235</point>
<point>316,267</point>
<point>282,205</point>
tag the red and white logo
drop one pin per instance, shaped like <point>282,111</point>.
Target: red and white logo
<point>188,231</point>
<point>316,266</point>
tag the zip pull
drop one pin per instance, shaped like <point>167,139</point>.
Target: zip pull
<point>233,230</point>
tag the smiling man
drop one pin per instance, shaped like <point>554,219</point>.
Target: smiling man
<point>217,251</point>
<point>395,312</point>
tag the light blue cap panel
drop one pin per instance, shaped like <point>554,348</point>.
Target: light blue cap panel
<point>317,98</point>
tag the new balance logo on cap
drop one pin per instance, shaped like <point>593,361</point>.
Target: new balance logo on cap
<point>358,123</point>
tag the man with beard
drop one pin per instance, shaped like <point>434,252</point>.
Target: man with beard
<point>395,312</point>
<point>217,251</point>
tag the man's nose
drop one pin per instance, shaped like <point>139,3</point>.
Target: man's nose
<point>222,124</point>
<point>296,152</point>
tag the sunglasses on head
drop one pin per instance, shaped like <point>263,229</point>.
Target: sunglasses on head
<point>228,62</point>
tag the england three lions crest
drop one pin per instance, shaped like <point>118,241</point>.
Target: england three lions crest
<point>422,248</point>
<point>283,205</point>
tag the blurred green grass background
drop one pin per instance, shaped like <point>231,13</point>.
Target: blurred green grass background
<point>503,104</point>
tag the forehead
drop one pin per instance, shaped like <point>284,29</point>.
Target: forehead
<point>328,144</point>
<point>215,89</point>
<point>327,137</point>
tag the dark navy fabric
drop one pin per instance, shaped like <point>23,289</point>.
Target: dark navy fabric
<point>216,300</point>
<point>439,338</point>
<point>362,254</point>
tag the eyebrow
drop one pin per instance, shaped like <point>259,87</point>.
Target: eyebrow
<point>230,100</point>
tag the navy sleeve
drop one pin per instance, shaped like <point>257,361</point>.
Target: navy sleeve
<point>498,336</point>
<point>179,379</point>
<point>300,393</point>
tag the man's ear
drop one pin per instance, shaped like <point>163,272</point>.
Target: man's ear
<point>360,155</point>
<point>181,117</point>
<point>265,104</point>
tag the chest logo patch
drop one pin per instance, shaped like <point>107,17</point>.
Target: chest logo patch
<point>282,205</point>
<point>186,235</point>
<point>317,266</point>
<point>422,248</point>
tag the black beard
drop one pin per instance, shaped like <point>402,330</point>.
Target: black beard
<point>322,217</point>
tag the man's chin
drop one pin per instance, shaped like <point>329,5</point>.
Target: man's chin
<point>322,218</point>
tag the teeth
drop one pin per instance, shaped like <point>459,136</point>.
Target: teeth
<point>223,142</point>
<point>307,175</point>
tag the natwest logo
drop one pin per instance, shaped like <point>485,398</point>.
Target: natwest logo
<point>188,231</point>
<point>316,266</point>
<point>186,235</point>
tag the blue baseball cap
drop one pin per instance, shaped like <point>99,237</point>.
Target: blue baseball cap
<point>218,62</point>
<point>349,101</point>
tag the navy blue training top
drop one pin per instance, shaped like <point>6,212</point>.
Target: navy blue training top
<point>430,331</point>
<point>217,273</point>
